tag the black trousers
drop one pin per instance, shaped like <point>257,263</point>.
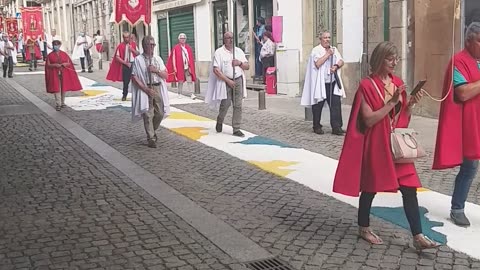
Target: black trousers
<point>410,206</point>
<point>126,75</point>
<point>7,65</point>
<point>335,105</point>
<point>33,60</point>
<point>267,62</point>
<point>89,60</point>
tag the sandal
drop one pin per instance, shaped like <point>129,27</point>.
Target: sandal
<point>423,242</point>
<point>64,106</point>
<point>366,234</point>
<point>58,108</point>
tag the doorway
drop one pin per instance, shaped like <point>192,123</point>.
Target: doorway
<point>220,20</point>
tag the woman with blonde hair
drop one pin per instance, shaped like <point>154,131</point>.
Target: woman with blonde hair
<point>366,164</point>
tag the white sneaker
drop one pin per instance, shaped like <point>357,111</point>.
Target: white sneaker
<point>193,96</point>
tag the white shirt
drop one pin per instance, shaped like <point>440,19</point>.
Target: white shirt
<point>98,39</point>
<point>268,49</point>
<point>141,68</point>
<point>129,57</point>
<point>184,57</point>
<point>336,58</point>
<point>223,60</point>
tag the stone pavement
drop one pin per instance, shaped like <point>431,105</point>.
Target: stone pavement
<point>303,227</point>
<point>64,207</point>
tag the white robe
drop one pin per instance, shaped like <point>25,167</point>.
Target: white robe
<point>217,89</point>
<point>140,103</point>
<point>314,90</point>
<point>78,49</point>
<point>13,53</point>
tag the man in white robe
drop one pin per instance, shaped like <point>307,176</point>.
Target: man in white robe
<point>149,90</point>
<point>323,83</point>
<point>226,83</point>
<point>50,39</point>
<point>8,56</point>
<point>82,50</point>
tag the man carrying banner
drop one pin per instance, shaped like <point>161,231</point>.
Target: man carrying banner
<point>121,66</point>
<point>149,90</point>
<point>82,51</point>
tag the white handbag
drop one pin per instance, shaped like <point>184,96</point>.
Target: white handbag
<point>403,142</point>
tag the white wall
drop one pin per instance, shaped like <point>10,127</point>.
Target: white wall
<point>352,14</point>
<point>291,11</point>
<point>203,31</point>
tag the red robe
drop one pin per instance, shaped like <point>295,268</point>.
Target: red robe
<point>366,162</point>
<point>36,48</point>
<point>458,133</point>
<point>115,72</point>
<point>70,80</point>
<point>177,56</point>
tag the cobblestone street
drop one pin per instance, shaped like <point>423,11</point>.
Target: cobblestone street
<point>63,206</point>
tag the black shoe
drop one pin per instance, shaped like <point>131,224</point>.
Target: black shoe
<point>338,132</point>
<point>460,219</point>
<point>30,69</point>
<point>90,71</point>
<point>219,127</point>
<point>318,131</point>
<point>152,144</point>
<point>238,133</point>
<point>124,98</point>
<point>83,70</point>
<point>10,76</point>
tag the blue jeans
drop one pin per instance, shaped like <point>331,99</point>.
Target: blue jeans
<point>463,181</point>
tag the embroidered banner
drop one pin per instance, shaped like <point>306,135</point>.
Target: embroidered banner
<point>12,27</point>
<point>2,26</point>
<point>133,11</point>
<point>32,20</point>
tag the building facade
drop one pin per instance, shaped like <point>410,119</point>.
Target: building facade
<point>205,21</point>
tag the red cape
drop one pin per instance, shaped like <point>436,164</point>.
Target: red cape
<point>115,71</point>
<point>366,162</point>
<point>458,134</point>
<point>38,54</point>
<point>70,80</point>
<point>177,56</point>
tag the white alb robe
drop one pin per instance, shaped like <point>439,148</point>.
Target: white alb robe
<point>140,103</point>
<point>78,50</point>
<point>314,90</point>
<point>217,89</point>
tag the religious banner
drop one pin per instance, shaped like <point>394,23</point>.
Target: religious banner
<point>12,27</point>
<point>32,22</point>
<point>133,11</point>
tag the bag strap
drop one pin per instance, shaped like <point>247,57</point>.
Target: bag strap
<point>395,116</point>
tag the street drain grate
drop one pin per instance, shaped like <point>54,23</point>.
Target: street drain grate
<point>269,264</point>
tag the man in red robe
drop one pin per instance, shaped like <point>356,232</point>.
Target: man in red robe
<point>33,53</point>
<point>458,135</point>
<point>60,75</point>
<point>181,65</point>
<point>121,66</point>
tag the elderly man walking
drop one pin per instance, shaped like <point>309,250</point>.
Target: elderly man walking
<point>226,83</point>
<point>149,90</point>
<point>121,66</point>
<point>323,83</point>
<point>181,64</point>
<point>458,135</point>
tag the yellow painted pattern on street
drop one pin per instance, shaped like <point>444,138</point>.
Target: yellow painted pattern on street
<point>194,133</point>
<point>276,167</point>
<point>92,93</point>
<point>187,116</point>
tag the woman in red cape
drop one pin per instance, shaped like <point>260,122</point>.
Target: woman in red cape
<point>60,75</point>
<point>366,164</point>
<point>37,53</point>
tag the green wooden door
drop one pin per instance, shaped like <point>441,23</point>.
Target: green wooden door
<point>163,39</point>
<point>181,21</point>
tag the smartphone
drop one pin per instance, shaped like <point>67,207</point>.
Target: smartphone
<point>417,88</point>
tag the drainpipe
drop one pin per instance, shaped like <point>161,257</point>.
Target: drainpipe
<point>364,64</point>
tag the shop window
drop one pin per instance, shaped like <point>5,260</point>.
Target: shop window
<point>242,25</point>
<point>471,13</point>
<point>220,11</point>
